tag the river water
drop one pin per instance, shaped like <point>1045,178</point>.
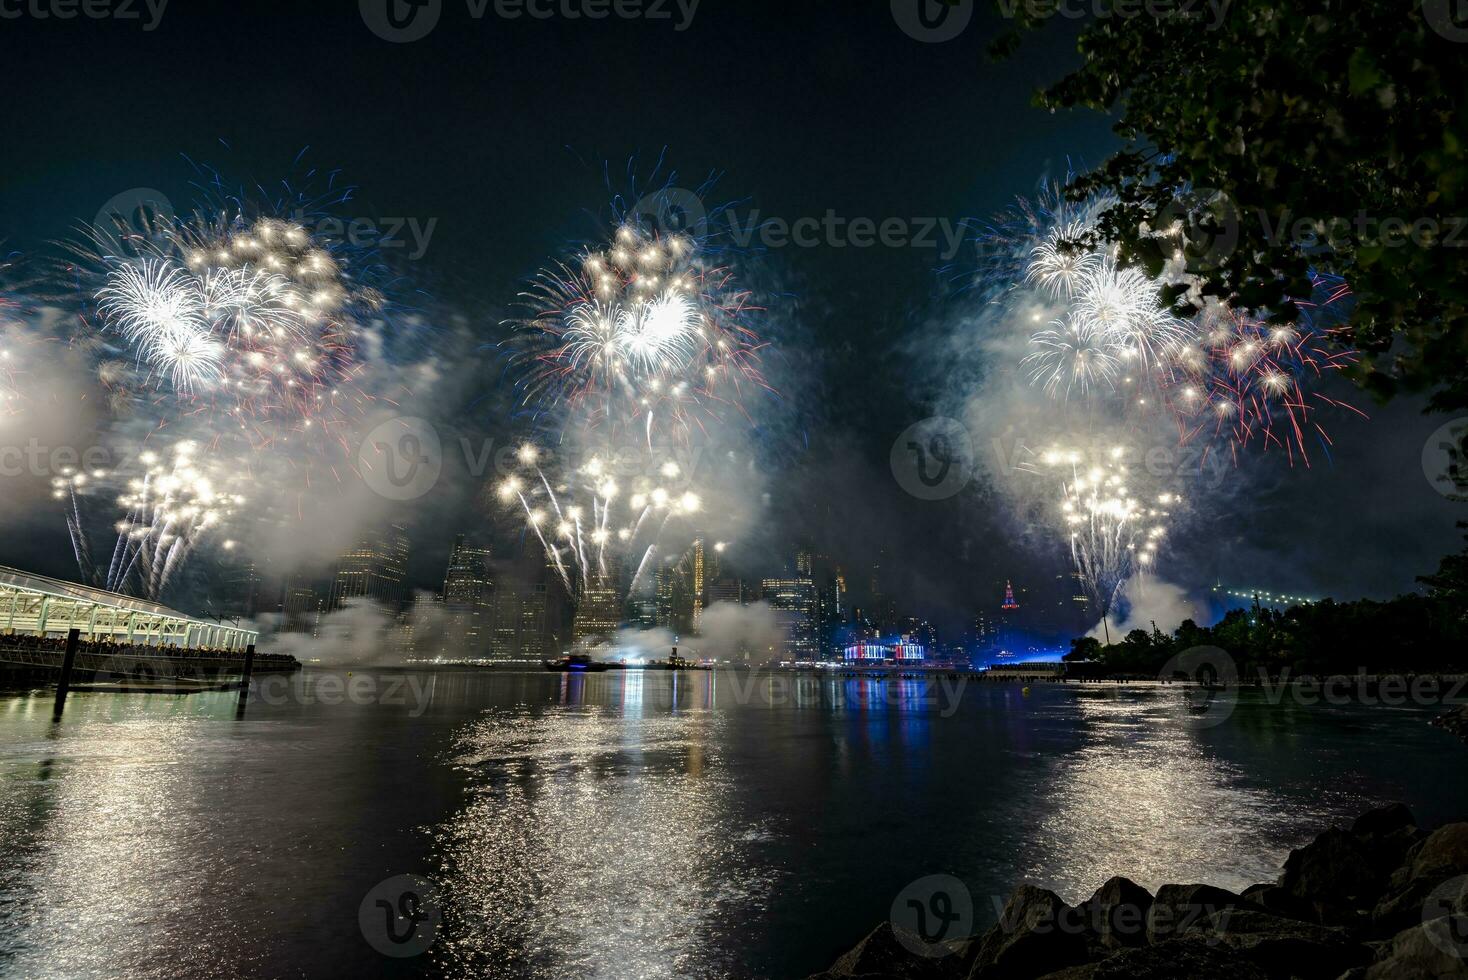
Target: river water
<point>636,825</point>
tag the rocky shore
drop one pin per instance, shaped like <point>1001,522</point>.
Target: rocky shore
<point>1455,721</point>
<point>1381,899</point>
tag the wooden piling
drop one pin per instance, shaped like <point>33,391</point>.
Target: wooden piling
<point>68,662</point>
<point>245,680</point>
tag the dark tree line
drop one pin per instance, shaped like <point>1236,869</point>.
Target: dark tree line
<point>1415,633</point>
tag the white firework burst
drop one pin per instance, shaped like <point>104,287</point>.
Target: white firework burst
<point>160,310</point>
<point>1071,356</point>
<point>1123,304</point>
<point>1057,264</point>
<point>251,307</point>
<point>662,335</point>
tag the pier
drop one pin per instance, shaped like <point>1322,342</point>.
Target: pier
<point>121,642</point>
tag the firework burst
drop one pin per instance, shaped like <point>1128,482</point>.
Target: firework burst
<point>1107,334</point>
<point>253,328</point>
<point>250,319</point>
<point>642,333</point>
<point>1244,380</point>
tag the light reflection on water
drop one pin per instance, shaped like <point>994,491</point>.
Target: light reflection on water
<point>597,844</point>
<point>639,824</point>
<point>103,859</point>
<point>1144,797</point>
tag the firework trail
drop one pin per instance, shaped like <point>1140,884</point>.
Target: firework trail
<point>590,526</point>
<point>180,498</point>
<point>1114,535</point>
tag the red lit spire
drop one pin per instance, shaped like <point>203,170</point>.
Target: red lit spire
<point>1009,600</point>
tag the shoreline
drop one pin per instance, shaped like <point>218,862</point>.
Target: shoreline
<point>1379,900</point>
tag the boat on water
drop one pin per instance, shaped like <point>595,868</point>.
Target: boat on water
<point>578,663</point>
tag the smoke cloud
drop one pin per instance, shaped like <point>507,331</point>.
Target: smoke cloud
<point>1145,602</point>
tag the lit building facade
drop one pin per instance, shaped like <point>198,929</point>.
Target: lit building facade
<point>697,585</point>
<point>794,603</point>
<point>376,569</point>
<point>467,598</point>
<point>524,621</point>
<point>899,650</point>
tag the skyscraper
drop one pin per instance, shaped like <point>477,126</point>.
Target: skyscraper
<point>794,602</point>
<point>242,589</point>
<point>598,613</point>
<point>376,568</point>
<point>468,599</point>
<point>804,560</point>
<point>725,590</point>
<point>599,607</point>
<point>882,608</point>
<point>524,621</point>
<point>697,585</point>
<point>985,631</point>
<point>1008,634</point>
<point>420,637</point>
<point>301,606</point>
<point>666,582</point>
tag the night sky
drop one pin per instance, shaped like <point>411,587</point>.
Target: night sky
<point>511,134</point>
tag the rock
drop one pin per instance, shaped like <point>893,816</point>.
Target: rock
<point>882,954</point>
<point>1282,948</point>
<point>1037,933</point>
<point>1445,851</point>
<point>1407,905</point>
<point>1377,823</point>
<point>1083,972</point>
<point>1117,913</point>
<point>1167,960</point>
<point>1334,876</point>
<point>1178,908</point>
<point>1387,834</point>
<point>1276,901</point>
<point>1437,949</point>
<point>1455,721</point>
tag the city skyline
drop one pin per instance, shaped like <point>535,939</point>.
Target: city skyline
<point>510,607</point>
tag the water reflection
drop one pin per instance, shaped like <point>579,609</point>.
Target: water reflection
<point>98,855</point>
<point>1148,795</point>
<point>597,841</point>
<point>635,824</point>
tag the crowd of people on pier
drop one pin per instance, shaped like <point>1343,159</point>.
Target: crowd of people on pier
<point>108,647</point>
